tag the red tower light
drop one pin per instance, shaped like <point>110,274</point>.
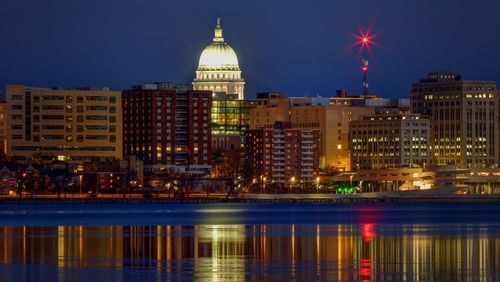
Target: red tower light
<point>365,68</point>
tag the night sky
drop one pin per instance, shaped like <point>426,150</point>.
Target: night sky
<point>298,47</point>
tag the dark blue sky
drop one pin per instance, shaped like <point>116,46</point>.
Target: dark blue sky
<point>298,47</point>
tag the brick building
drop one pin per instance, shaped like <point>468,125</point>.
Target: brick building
<point>283,155</point>
<point>166,125</point>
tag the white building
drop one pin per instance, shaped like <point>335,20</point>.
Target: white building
<point>218,69</point>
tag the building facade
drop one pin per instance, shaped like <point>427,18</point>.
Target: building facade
<point>331,120</point>
<point>231,117</point>
<point>464,119</point>
<point>218,69</point>
<point>3,127</point>
<point>165,127</point>
<point>75,125</point>
<point>283,155</point>
<point>390,141</point>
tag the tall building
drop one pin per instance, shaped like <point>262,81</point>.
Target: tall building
<point>283,155</point>
<point>390,141</point>
<point>333,123</point>
<point>464,119</point>
<point>331,120</point>
<point>218,69</point>
<point>166,126</point>
<point>3,127</point>
<point>75,125</point>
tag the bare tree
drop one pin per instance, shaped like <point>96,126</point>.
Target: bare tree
<point>208,186</point>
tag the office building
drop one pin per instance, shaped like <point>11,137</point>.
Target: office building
<point>463,116</point>
<point>390,141</point>
<point>166,126</point>
<point>331,120</point>
<point>73,125</point>
<point>3,126</point>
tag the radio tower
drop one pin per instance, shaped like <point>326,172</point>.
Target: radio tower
<point>365,41</point>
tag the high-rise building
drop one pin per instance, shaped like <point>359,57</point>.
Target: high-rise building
<point>331,120</point>
<point>283,155</point>
<point>166,126</point>
<point>74,125</point>
<point>463,116</point>
<point>390,141</point>
<point>218,69</point>
<point>3,127</point>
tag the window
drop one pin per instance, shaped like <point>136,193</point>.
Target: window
<point>96,98</point>
<point>16,97</point>
<point>97,117</point>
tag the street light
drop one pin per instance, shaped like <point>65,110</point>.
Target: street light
<point>317,185</point>
<point>292,181</point>
<point>264,184</point>
<point>80,177</point>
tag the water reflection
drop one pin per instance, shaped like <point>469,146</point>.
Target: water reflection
<point>363,252</point>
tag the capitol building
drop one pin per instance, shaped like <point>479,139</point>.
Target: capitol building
<point>218,69</point>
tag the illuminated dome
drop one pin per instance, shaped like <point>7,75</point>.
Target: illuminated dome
<point>218,70</point>
<point>218,55</point>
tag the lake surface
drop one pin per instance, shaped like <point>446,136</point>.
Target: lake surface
<point>240,242</point>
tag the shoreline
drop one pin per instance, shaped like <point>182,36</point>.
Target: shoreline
<point>251,200</point>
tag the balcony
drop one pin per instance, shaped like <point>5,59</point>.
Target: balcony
<point>307,153</point>
<point>306,136</point>
<point>278,147</point>
<point>307,159</point>
<point>306,175</point>
<point>278,158</point>
<point>307,164</point>
<point>278,141</point>
<point>307,142</point>
<point>306,169</point>
<point>278,152</point>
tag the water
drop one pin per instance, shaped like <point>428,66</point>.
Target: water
<point>239,242</point>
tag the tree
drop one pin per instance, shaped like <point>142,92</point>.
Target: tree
<point>226,163</point>
<point>208,186</point>
<point>168,179</point>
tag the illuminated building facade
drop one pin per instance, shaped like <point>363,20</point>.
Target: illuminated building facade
<point>284,155</point>
<point>218,69</point>
<point>331,120</point>
<point>3,126</point>
<point>464,119</point>
<point>167,126</point>
<point>390,141</point>
<point>74,125</point>
<point>231,116</point>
